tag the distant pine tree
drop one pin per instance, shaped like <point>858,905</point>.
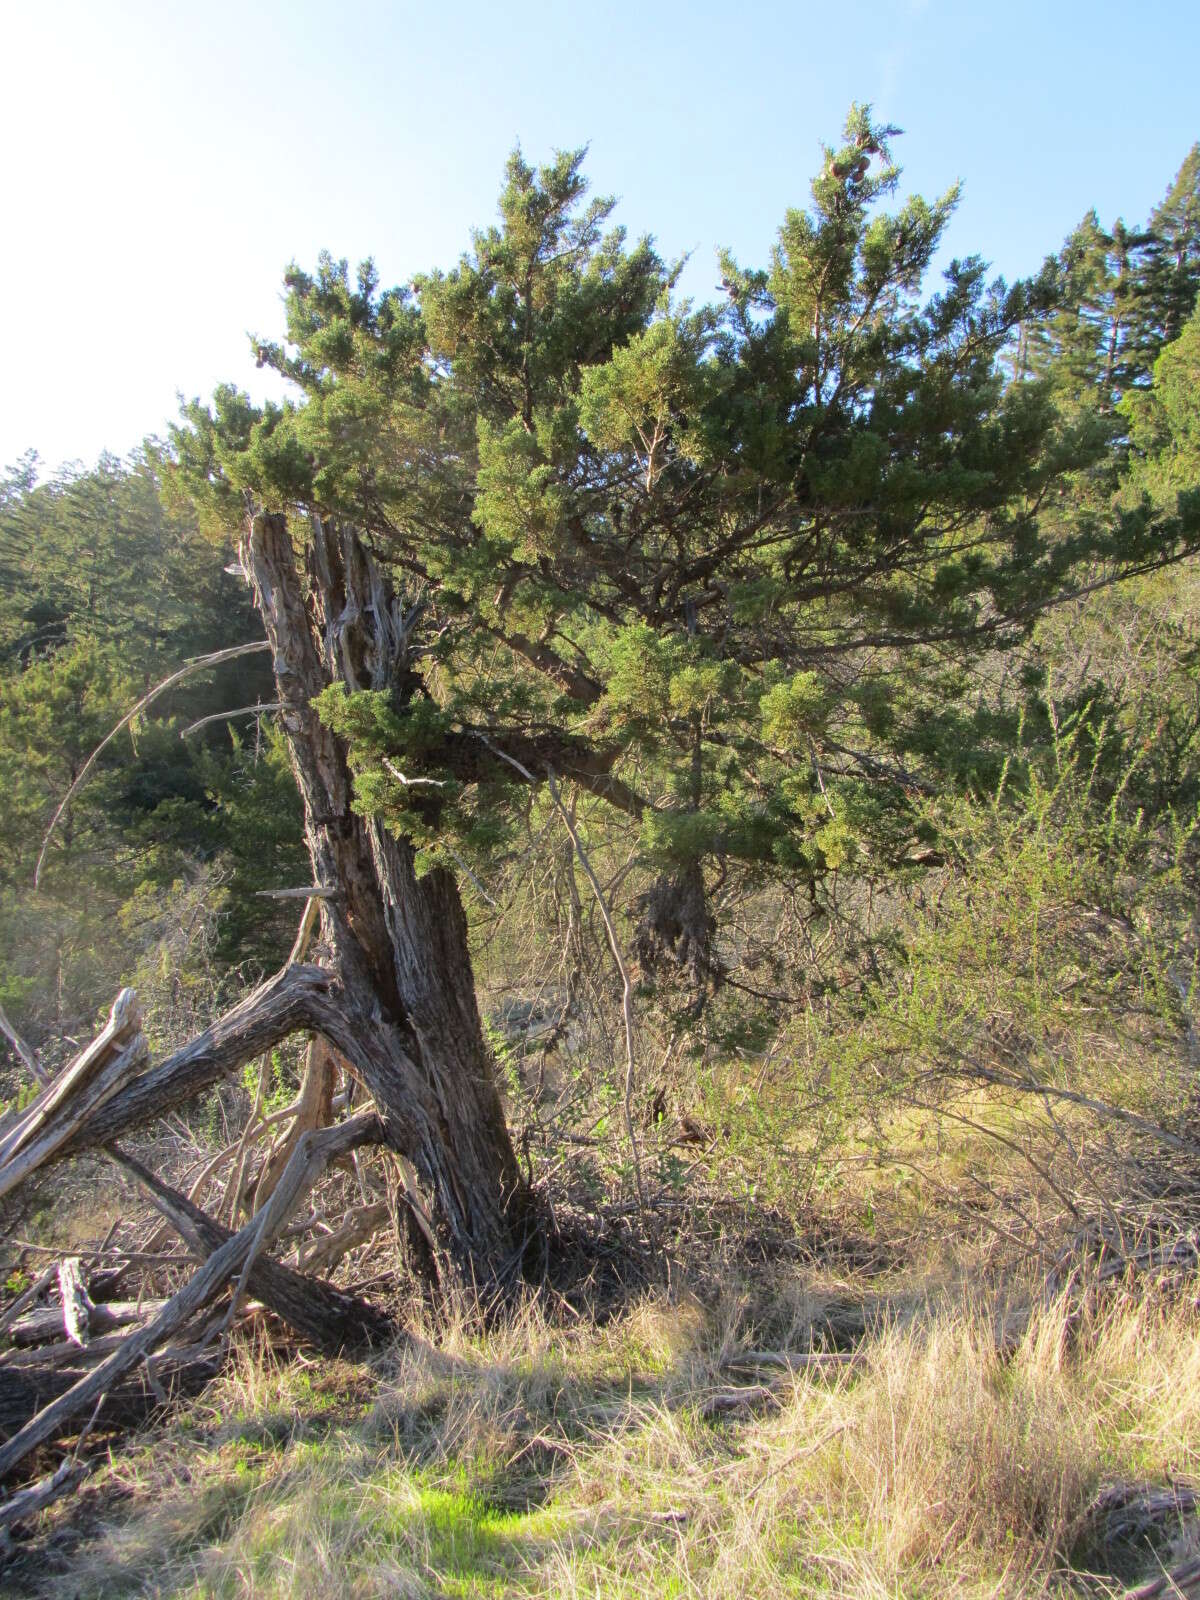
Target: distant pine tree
<point>1171,274</point>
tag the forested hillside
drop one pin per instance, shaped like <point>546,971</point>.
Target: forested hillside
<point>693,900</point>
<point>104,592</point>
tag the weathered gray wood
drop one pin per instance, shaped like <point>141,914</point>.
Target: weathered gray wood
<point>314,1109</point>
<point>45,1357</point>
<point>314,1151</point>
<point>324,1253</point>
<point>297,997</point>
<point>28,1502</point>
<point>123,1025</point>
<point>73,1115</point>
<point>76,1306</point>
<point>227,716</point>
<point>731,1402</point>
<point>328,1316</point>
<point>39,1327</point>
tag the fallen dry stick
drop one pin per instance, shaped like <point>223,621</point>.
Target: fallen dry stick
<point>333,1319</point>
<point>1183,1582</point>
<point>310,1158</point>
<point>26,1502</point>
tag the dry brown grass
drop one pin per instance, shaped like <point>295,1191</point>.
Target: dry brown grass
<point>552,1462</point>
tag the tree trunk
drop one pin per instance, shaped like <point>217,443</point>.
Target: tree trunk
<point>405,1012</point>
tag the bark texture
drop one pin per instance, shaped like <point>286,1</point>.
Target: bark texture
<point>402,996</point>
<point>333,1319</point>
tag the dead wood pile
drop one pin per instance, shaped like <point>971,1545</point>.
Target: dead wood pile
<point>87,1343</point>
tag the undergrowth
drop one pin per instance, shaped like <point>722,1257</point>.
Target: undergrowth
<point>552,1461</point>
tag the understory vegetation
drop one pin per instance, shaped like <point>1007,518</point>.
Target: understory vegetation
<point>797,702</point>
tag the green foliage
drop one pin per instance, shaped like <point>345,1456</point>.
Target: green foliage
<point>748,559</point>
<point>793,711</point>
<point>103,592</point>
<point>1164,421</point>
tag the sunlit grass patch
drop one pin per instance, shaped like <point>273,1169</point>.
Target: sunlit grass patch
<point>541,1462</point>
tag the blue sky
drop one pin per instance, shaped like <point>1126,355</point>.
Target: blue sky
<point>164,161</point>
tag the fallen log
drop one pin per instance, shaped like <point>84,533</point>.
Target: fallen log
<point>32,1294</point>
<point>1181,1583</point>
<point>735,1402</point>
<point>40,1327</point>
<point>793,1360</point>
<point>131,1401</point>
<point>337,1322</point>
<point>66,1353</point>
<point>236,1256</point>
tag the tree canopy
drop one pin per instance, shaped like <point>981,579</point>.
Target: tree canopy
<point>715,564</point>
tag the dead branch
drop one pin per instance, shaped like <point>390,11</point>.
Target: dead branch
<point>732,1402</point>
<point>315,1150</point>
<point>285,1004</point>
<point>124,1023</point>
<point>314,1109</point>
<point>39,1495</point>
<point>362,1224</point>
<point>1102,1108</point>
<point>614,946</point>
<point>22,1050</point>
<point>26,1390</point>
<point>39,1327</point>
<point>227,716</point>
<point>66,1105</point>
<point>237,1181</point>
<point>793,1360</point>
<point>308,891</point>
<point>189,667</point>
<point>77,1308</point>
<point>318,1311</point>
<point>304,932</point>
<point>1182,1581</point>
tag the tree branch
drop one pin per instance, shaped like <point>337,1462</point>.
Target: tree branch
<point>310,1158</point>
<point>194,665</point>
<point>293,999</point>
<point>331,1318</point>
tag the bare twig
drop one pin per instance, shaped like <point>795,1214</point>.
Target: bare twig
<point>27,1057</point>
<point>227,716</point>
<point>197,662</point>
<point>308,891</point>
<point>614,946</point>
<point>412,783</point>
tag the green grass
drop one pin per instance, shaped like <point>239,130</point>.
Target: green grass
<point>543,1461</point>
